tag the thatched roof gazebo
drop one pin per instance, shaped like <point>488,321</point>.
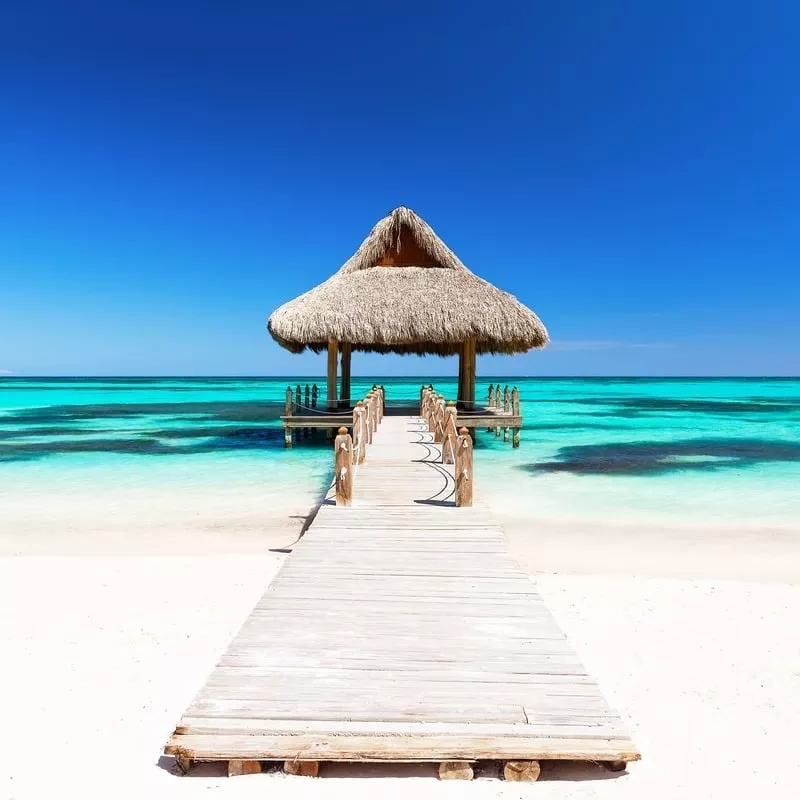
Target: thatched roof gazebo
<point>405,291</point>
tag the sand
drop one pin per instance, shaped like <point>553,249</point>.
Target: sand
<point>101,653</point>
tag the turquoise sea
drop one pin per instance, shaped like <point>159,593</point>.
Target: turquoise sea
<point>703,451</point>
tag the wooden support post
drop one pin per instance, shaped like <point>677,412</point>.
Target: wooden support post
<point>522,770</point>
<point>422,391</point>
<point>184,764</point>
<point>382,409</point>
<point>466,394</point>
<point>438,419</point>
<point>455,771</point>
<point>368,411</point>
<point>308,769</point>
<point>450,434</point>
<point>243,768</point>
<point>333,350</point>
<point>497,408</point>
<point>314,395</point>
<point>298,396</point>
<point>490,403</point>
<point>464,477</point>
<point>347,350</point>
<point>343,445</point>
<point>287,431</point>
<point>515,410</point>
<point>506,410</point>
<point>373,401</point>
<point>359,433</point>
<point>462,391</point>
<point>308,396</point>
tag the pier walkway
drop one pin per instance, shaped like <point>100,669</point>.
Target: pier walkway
<point>400,628</point>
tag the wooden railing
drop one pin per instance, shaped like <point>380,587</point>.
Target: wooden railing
<point>441,418</point>
<point>351,450</point>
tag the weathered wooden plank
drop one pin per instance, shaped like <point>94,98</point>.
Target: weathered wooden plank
<point>396,747</point>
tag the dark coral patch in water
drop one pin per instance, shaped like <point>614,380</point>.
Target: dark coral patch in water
<point>657,458</point>
<point>240,411</point>
<point>635,406</point>
<point>217,439</point>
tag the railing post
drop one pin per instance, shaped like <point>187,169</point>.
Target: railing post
<point>497,407</point>
<point>373,401</point>
<point>490,403</point>
<point>308,396</point>
<point>343,445</point>
<point>422,390</point>
<point>450,434</point>
<point>359,433</point>
<point>506,409</point>
<point>287,431</point>
<point>464,476</point>
<point>382,394</point>
<point>438,432</point>
<point>314,395</point>
<point>429,410</point>
<point>516,412</point>
<point>368,411</point>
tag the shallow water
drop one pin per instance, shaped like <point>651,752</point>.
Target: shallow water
<point>701,451</point>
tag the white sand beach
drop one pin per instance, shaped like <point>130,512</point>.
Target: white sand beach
<point>103,652</point>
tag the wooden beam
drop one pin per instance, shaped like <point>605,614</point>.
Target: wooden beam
<point>347,351</point>
<point>333,351</point>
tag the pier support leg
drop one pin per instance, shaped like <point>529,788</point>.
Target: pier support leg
<point>243,768</point>
<point>455,771</point>
<point>522,771</point>
<point>309,769</point>
<point>287,436</point>
<point>515,438</point>
<point>505,434</point>
<point>184,764</point>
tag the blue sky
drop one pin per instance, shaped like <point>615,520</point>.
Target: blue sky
<point>170,172</point>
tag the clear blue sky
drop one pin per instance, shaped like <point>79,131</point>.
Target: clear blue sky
<point>170,172</point>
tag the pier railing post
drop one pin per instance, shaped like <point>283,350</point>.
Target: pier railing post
<point>516,412</point>
<point>464,476</point>
<point>373,417</point>
<point>439,420</point>
<point>359,433</point>
<point>287,431</point>
<point>450,434</point>
<point>507,410</point>
<point>367,437</point>
<point>314,395</point>
<point>343,445</point>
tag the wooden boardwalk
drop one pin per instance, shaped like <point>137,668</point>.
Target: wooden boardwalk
<point>400,628</point>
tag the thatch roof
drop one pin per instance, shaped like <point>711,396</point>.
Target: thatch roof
<point>405,291</point>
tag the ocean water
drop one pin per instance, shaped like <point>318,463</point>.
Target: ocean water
<point>699,451</point>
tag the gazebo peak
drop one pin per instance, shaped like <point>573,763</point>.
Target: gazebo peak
<point>402,239</point>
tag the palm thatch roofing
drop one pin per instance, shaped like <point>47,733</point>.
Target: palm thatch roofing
<point>405,291</point>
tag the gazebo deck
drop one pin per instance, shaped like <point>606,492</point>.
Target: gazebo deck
<point>480,417</point>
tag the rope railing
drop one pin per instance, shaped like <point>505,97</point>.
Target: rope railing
<point>350,450</point>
